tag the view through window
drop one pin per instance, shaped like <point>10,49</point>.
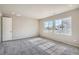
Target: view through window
<point>48,26</point>
<point>59,26</point>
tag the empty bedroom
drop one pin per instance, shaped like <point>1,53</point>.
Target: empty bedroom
<point>39,29</point>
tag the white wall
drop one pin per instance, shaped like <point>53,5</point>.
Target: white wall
<point>74,39</point>
<point>24,27</point>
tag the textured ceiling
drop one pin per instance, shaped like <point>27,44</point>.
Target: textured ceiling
<point>36,11</point>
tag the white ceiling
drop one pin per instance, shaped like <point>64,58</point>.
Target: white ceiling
<point>37,11</point>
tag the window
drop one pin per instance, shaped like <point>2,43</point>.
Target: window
<point>63,26</point>
<point>67,26</point>
<point>59,26</point>
<point>48,26</point>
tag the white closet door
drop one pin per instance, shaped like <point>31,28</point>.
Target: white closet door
<point>7,28</point>
<point>0,29</point>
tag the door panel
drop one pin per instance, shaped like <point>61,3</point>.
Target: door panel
<point>0,30</point>
<point>7,28</point>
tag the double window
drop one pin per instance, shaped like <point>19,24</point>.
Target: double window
<point>59,26</point>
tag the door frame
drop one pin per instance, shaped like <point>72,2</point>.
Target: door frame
<point>1,29</point>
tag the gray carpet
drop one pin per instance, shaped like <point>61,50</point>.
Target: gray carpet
<point>36,46</point>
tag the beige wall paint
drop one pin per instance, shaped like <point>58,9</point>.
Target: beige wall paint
<point>74,39</point>
<point>24,27</point>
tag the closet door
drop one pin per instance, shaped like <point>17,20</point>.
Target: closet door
<point>7,29</point>
<point>0,30</point>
